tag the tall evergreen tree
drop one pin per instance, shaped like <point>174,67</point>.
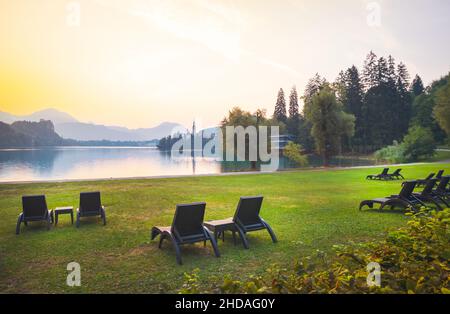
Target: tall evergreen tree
<point>293,104</point>
<point>417,87</point>
<point>392,76</point>
<point>382,71</point>
<point>353,102</point>
<point>370,71</point>
<point>280,107</point>
<point>313,87</point>
<point>404,99</point>
<point>294,115</point>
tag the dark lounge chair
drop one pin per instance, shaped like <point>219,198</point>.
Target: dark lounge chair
<point>90,206</point>
<point>187,227</point>
<point>34,208</point>
<point>382,176</point>
<point>422,182</point>
<point>439,174</point>
<point>247,219</point>
<point>404,199</point>
<point>396,175</point>
<point>441,189</point>
<point>427,196</point>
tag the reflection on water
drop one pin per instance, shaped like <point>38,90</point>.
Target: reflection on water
<point>61,163</point>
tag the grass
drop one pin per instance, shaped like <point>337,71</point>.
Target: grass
<point>309,210</point>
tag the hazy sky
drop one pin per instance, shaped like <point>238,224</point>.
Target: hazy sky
<point>140,62</point>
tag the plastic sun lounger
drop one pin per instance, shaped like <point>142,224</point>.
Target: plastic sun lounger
<point>34,208</point>
<point>187,227</point>
<point>90,206</point>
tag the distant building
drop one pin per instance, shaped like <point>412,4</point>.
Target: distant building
<point>282,140</point>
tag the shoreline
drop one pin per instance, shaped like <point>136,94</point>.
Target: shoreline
<point>291,170</point>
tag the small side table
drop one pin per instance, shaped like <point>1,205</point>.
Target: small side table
<point>63,210</point>
<point>218,227</point>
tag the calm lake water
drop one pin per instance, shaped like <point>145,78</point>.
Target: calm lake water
<point>67,163</point>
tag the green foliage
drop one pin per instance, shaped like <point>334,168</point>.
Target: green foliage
<point>413,259</point>
<point>442,109</point>
<point>294,153</point>
<point>280,107</point>
<point>329,122</point>
<point>393,153</point>
<point>418,144</point>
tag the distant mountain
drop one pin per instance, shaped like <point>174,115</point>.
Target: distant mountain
<point>26,134</point>
<point>88,132</point>
<point>53,115</point>
<point>70,128</point>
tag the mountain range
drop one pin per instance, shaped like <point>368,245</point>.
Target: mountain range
<point>70,128</point>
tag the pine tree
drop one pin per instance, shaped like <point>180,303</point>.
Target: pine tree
<point>382,71</point>
<point>293,104</point>
<point>280,107</point>
<point>392,77</point>
<point>404,99</point>
<point>313,87</point>
<point>417,87</point>
<point>370,71</point>
<point>353,102</point>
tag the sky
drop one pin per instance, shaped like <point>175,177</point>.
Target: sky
<point>137,63</point>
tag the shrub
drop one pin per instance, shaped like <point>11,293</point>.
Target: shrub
<point>413,259</point>
<point>294,153</point>
<point>417,144</point>
<point>394,153</point>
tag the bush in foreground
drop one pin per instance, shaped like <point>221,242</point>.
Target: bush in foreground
<point>413,259</point>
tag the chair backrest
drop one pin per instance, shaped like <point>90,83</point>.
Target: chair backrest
<point>429,176</point>
<point>385,171</point>
<point>90,202</point>
<point>34,206</point>
<point>407,189</point>
<point>429,187</point>
<point>439,174</point>
<point>396,172</point>
<point>188,220</point>
<point>442,186</point>
<point>247,211</point>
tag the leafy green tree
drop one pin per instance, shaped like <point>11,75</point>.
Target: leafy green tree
<point>329,122</point>
<point>293,152</point>
<point>418,144</point>
<point>442,108</point>
<point>280,107</point>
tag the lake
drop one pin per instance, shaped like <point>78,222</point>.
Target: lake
<point>74,163</point>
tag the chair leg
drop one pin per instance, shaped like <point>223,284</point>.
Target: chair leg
<point>104,217</point>
<point>243,237</point>
<point>19,221</point>
<point>272,234</point>
<point>161,239</point>
<point>213,243</point>
<point>177,250</point>
<point>49,222</point>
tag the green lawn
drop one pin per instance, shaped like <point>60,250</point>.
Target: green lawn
<point>309,210</point>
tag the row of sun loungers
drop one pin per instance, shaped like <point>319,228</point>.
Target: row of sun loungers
<point>34,208</point>
<point>435,192</point>
<point>188,225</point>
<point>385,175</point>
